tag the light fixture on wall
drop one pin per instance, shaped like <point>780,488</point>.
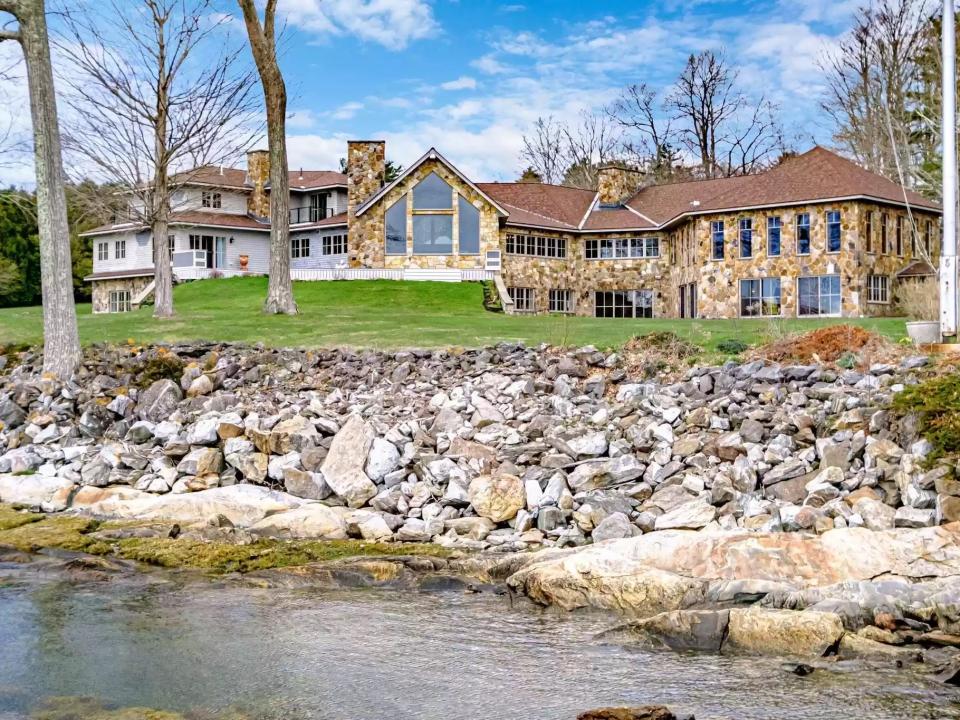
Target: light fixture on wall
<point>231,239</point>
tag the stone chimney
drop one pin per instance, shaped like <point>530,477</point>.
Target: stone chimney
<point>366,169</point>
<point>258,176</point>
<point>617,182</point>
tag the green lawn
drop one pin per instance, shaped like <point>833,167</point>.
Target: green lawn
<point>382,314</point>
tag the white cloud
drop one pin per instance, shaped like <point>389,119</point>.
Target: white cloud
<point>301,119</point>
<point>490,65</point>
<point>463,82</point>
<point>391,23</point>
<point>347,111</point>
<point>512,8</point>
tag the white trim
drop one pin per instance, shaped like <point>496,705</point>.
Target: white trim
<point>431,154</point>
<point>590,207</point>
<point>640,214</point>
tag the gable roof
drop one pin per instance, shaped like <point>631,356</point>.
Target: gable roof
<point>431,154</point>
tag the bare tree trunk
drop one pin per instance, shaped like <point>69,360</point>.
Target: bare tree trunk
<point>263,46</point>
<point>61,342</point>
<point>162,272</point>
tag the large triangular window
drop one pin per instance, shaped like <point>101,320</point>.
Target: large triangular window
<point>433,193</point>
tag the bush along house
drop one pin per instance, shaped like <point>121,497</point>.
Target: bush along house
<point>816,235</point>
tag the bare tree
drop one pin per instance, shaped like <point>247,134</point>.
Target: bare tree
<point>560,152</point>
<point>727,131</point>
<point>651,136</point>
<point>154,89</point>
<point>543,150</point>
<point>874,82</point>
<point>593,141</point>
<point>61,342</point>
<point>263,45</point>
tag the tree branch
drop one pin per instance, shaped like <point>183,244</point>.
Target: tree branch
<point>9,35</point>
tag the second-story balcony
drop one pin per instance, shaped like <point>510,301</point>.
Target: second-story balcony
<point>309,214</point>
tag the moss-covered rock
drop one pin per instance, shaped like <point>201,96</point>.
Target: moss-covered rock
<point>936,405</point>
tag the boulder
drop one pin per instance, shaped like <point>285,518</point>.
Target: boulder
<point>497,497</point>
<point>382,459</point>
<point>678,630</point>
<point>343,468</point>
<point>48,493</point>
<point>691,515</point>
<point>614,527</point>
<point>309,521</point>
<point>644,712</point>
<point>759,631</point>
<point>159,401</point>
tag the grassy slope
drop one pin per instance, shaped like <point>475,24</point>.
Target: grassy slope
<point>381,314</point>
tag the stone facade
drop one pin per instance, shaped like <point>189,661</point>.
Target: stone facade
<point>366,171</point>
<point>101,289</point>
<point>616,183</point>
<point>258,175</point>
<point>367,231</point>
<point>584,277</point>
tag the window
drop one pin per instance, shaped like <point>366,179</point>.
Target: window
<point>211,199</point>
<point>717,233</point>
<point>883,234</point>
<point>868,240</point>
<point>818,295</point>
<point>624,304</point>
<point>433,234</point>
<point>773,236</point>
<point>622,248</point>
<point>300,247</point>
<point>433,193</point>
<point>469,228</point>
<point>746,237</point>
<point>561,301</point>
<point>119,301</point>
<point>899,235</point>
<point>878,289</point>
<point>172,244</point>
<point>395,228</point>
<point>928,238</point>
<point>760,297</point>
<point>103,251</point>
<point>334,245</point>
<point>803,234</point>
<point>833,231</point>
<point>536,246</point>
<point>120,249</point>
<point>522,299</point>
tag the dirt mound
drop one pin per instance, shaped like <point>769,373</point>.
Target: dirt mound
<point>828,345</point>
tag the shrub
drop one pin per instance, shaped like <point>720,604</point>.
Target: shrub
<point>919,299</point>
<point>936,405</point>
<point>732,346</point>
<point>160,366</point>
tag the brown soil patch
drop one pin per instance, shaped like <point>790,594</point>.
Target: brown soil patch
<point>830,344</point>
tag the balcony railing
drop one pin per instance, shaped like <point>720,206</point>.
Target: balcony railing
<point>309,214</point>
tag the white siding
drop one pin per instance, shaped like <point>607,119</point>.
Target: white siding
<point>338,201</point>
<point>139,252</point>
<point>254,244</point>
<point>317,259</point>
<point>191,198</point>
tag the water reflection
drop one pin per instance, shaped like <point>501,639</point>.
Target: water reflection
<point>371,654</point>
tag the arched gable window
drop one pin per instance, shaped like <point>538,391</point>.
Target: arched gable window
<point>433,193</point>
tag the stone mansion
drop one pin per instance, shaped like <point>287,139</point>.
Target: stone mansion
<point>816,235</point>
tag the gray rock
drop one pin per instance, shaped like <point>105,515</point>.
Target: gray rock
<point>343,468</point>
<point>159,401</point>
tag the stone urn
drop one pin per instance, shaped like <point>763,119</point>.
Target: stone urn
<point>244,261</point>
<point>924,332</point>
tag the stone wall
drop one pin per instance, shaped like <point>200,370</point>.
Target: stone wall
<point>616,183</point>
<point>101,289</point>
<point>718,280</point>
<point>585,277</point>
<point>366,170</point>
<point>258,175</point>
<point>367,241</point>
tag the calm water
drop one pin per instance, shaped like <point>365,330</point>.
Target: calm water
<point>371,654</point>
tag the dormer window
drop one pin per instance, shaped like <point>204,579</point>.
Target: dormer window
<point>211,199</point>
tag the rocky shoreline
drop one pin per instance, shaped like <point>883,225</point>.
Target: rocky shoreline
<point>752,507</point>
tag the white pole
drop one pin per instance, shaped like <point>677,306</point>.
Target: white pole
<point>948,258</point>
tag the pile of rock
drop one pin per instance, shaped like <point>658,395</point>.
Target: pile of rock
<point>502,447</point>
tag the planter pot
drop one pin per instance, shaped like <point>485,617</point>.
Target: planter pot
<point>924,332</point>
<point>244,262</point>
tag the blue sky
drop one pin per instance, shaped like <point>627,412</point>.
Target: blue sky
<point>471,76</point>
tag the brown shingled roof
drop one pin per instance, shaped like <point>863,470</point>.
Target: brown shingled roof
<point>814,176</point>
<point>541,205</point>
<point>616,219</point>
<point>237,178</point>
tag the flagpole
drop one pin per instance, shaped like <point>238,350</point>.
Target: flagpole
<point>948,258</point>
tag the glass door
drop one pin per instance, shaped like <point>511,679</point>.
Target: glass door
<point>220,254</point>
